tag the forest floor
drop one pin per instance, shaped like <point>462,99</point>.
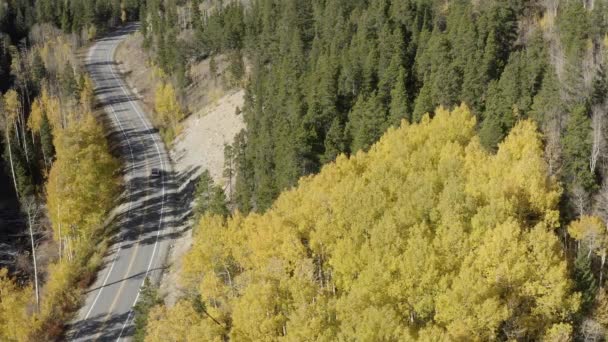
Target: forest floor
<point>212,123</point>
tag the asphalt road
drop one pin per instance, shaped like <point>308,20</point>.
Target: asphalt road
<point>144,215</point>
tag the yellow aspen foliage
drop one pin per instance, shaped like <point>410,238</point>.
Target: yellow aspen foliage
<point>36,115</point>
<point>425,237</point>
<point>600,311</point>
<point>82,182</point>
<point>181,323</point>
<point>592,232</point>
<point>55,52</point>
<point>166,105</point>
<point>157,71</point>
<point>559,333</point>
<point>51,107</point>
<point>12,105</point>
<point>15,306</point>
<point>92,33</point>
<point>60,296</point>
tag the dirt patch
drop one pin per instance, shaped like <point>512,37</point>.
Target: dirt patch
<point>137,69</point>
<point>212,123</point>
<point>199,147</point>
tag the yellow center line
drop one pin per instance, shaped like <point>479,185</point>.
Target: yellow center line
<point>131,262</point>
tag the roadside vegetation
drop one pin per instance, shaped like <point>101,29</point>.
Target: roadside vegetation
<point>59,160</point>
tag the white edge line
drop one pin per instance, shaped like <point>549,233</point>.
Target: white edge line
<point>89,59</point>
<point>160,157</point>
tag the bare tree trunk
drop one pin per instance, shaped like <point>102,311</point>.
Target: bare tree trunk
<point>23,135</point>
<point>32,212</point>
<point>602,268</point>
<point>229,276</point>
<point>598,143</point>
<point>46,163</point>
<point>60,243</point>
<point>10,157</point>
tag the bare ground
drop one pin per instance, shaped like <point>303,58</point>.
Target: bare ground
<point>213,123</point>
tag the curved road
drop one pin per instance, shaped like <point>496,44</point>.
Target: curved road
<point>143,217</point>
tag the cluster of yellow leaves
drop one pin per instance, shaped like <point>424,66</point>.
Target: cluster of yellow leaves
<point>15,304</point>
<point>183,323</point>
<point>12,106</point>
<point>166,105</point>
<point>82,182</point>
<point>55,51</point>
<point>169,113</point>
<point>592,232</point>
<point>44,105</point>
<point>157,71</point>
<point>80,189</point>
<point>427,236</point>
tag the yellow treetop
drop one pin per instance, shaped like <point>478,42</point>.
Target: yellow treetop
<point>15,321</point>
<point>34,122</point>
<point>166,105</point>
<point>426,236</point>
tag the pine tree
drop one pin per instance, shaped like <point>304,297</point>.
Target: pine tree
<point>148,298</point>
<point>39,71</point>
<point>424,102</point>
<point>367,121</point>
<point>577,149</point>
<point>244,175</point>
<point>584,279</point>
<point>68,81</point>
<point>399,106</point>
<point>46,141</point>
<point>335,143</point>
<point>209,198</point>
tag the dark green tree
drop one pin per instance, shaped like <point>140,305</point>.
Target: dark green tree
<point>335,143</point>
<point>46,142</point>
<point>577,145</point>
<point>424,102</point>
<point>367,122</point>
<point>68,81</point>
<point>209,198</point>
<point>148,298</point>
<point>399,105</point>
<point>584,279</point>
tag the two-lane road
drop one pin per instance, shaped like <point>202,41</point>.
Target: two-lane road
<point>144,215</point>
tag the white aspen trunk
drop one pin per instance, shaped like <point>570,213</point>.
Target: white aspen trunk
<point>602,268</point>
<point>60,243</point>
<point>229,277</point>
<point>29,218</point>
<point>46,163</point>
<point>597,146</point>
<point>23,135</point>
<point>68,247</point>
<point>10,157</point>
